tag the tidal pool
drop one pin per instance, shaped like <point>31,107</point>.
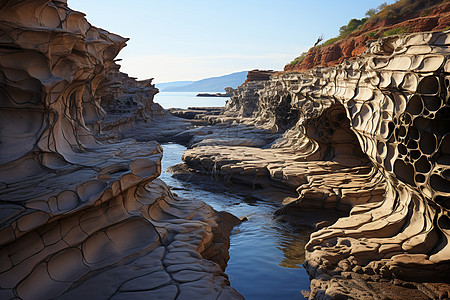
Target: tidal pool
<point>266,255</point>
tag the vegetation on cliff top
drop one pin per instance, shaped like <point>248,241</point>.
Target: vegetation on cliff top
<point>298,59</point>
<point>353,25</point>
<point>379,22</point>
<point>394,13</point>
<point>405,9</point>
<point>344,31</point>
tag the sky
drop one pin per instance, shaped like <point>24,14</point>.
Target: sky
<point>172,40</point>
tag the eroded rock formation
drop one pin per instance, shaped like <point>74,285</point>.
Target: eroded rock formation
<point>80,218</point>
<point>396,98</point>
<point>258,75</point>
<point>243,103</point>
<point>128,102</point>
<point>372,134</point>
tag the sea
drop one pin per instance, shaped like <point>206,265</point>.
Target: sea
<point>266,256</point>
<point>188,99</point>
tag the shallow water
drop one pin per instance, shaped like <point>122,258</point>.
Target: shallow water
<point>187,99</point>
<point>266,256</point>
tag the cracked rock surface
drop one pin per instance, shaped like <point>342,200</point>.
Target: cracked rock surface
<point>81,219</point>
<point>369,136</point>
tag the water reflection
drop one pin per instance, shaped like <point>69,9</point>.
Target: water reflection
<point>293,247</point>
<point>266,255</point>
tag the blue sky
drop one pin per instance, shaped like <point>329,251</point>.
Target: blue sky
<point>190,40</point>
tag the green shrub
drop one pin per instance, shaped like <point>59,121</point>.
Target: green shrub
<point>393,31</point>
<point>405,9</point>
<point>329,41</point>
<point>298,59</point>
<point>426,12</point>
<point>400,9</point>
<point>371,12</point>
<point>372,34</point>
<point>354,25</point>
<point>351,26</point>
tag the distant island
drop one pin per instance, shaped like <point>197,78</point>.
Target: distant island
<point>207,85</point>
<point>213,95</point>
<point>228,93</point>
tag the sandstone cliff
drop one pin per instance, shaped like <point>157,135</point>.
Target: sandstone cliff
<point>80,218</point>
<point>370,135</point>
<point>403,16</point>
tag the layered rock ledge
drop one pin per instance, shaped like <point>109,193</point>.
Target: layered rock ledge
<point>80,218</point>
<point>369,136</point>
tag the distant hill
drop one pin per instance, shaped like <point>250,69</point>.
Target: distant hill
<point>165,85</point>
<point>213,84</point>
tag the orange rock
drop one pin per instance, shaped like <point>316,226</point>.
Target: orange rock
<point>355,43</point>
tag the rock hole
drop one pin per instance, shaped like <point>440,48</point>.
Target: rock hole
<point>415,105</point>
<point>345,243</point>
<point>402,131</point>
<point>443,201</point>
<point>408,119</point>
<point>351,103</point>
<point>385,115</point>
<point>404,171</point>
<point>415,154</point>
<point>391,127</point>
<point>413,133</point>
<point>381,148</point>
<point>390,154</point>
<point>446,174</point>
<point>420,178</point>
<point>396,133</point>
<point>422,165</point>
<point>341,117</point>
<point>429,85</point>
<point>286,116</point>
<point>412,144</point>
<point>402,149</point>
<point>444,221</point>
<point>443,119</point>
<point>379,159</point>
<point>428,143</point>
<point>432,103</point>
<point>422,123</point>
<point>439,183</point>
<point>444,148</point>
